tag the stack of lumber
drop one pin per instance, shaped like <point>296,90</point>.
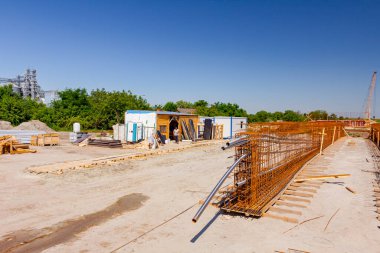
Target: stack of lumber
<point>217,132</point>
<point>9,145</point>
<point>105,143</point>
<point>45,139</point>
<point>188,130</point>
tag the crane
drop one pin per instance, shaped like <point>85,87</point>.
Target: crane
<point>369,103</point>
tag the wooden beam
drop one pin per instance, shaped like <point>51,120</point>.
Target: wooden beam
<point>318,183</point>
<point>321,177</point>
<point>283,218</point>
<point>322,139</point>
<point>302,189</point>
<point>305,184</point>
<point>300,194</point>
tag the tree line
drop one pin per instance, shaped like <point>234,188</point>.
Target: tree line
<point>101,109</point>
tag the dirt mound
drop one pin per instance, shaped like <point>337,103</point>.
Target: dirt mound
<point>5,125</point>
<point>34,125</point>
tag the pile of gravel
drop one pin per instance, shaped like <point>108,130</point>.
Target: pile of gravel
<point>5,125</point>
<point>35,125</point>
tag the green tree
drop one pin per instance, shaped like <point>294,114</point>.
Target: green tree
<point>261,116</point>
<point>277,116</point>
<point>170,106</point>
<point>184,104</point>
<point>333,116</point>
<point>318,115</point>
<point>14,108</point>
<point>201,103</point>
<point>290,115</point>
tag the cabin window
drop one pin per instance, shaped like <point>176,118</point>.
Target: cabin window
<point>163,129</point>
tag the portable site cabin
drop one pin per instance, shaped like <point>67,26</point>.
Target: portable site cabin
<point>231,125</point>
<point>163,121</point>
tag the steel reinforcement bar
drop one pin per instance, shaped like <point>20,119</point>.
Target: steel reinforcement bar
<point>375,134</point>
<point>274,153</point>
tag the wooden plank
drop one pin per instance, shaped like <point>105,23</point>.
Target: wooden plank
<point>313,171</point>
<point>283,218</point>
<point>291,198</point>
<point>300,194</point>
<point>300,179</point>
<point>318,183</point>
<point>302,189</point>
<point>283,210</point>
<point>311,174</point>
<point>305,184</point>
<point>289,204</point>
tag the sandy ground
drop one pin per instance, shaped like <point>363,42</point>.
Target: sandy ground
<point>159,188</point>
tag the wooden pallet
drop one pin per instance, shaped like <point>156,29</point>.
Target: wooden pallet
<point>51,139</point>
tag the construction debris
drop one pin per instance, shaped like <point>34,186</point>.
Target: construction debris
<point>350,190</point>
<point>9,145</point>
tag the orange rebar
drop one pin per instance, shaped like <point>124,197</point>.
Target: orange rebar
<point>277,151</point>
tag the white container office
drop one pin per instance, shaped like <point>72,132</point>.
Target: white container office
<point>231,125</point>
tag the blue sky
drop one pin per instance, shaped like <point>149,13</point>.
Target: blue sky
<point>263,55</point>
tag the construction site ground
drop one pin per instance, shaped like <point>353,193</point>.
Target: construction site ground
<point>146,205</point>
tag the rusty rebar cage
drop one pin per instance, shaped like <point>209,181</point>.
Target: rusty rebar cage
<point>375,133</point>
<point>276,152</point>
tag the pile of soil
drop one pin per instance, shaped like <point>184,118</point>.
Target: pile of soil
<point>5,125</point>
<point>35,125</point>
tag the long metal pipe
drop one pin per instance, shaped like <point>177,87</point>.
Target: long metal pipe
<point>237,140</point>
<point>233,143</point>
<point>236,143</point>
<point>216,188</point>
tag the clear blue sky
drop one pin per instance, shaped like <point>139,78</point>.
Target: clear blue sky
<point>271,55</point>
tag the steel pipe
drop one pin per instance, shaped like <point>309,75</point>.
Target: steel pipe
<point>236,143</point>
<point>216,188</point>
<point>238,184</point>
<point>237,140</point>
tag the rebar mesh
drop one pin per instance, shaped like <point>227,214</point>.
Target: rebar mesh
<point>277,151</point>
<point>375,133</point>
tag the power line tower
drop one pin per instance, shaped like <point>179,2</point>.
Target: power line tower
<point>369,101</point>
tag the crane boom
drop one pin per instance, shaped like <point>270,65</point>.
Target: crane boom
<point>369,103</point>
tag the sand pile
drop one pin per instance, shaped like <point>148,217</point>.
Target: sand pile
<point>34,125</point>
<point>5,125</point>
